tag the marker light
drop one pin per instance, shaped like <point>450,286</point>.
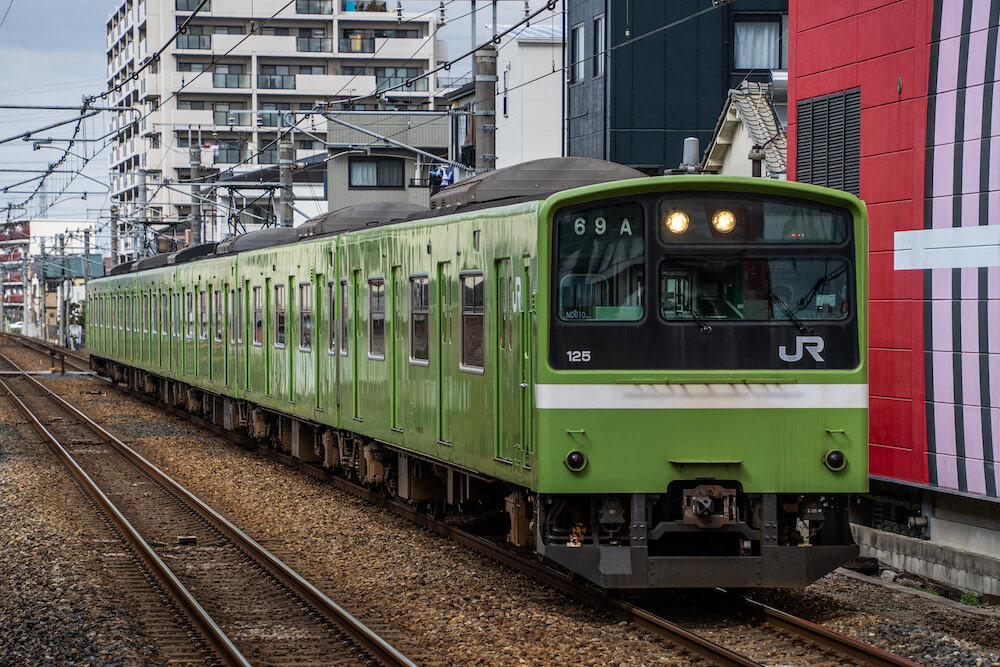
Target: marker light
<point>835,460</point>
<point>576,461</point>
<point>677,222</point>
<point>724,221</point>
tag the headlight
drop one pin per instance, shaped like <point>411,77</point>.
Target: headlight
<point>677,222</point>
<point>724,221</point>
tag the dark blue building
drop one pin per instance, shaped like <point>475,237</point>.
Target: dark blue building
<point>644,74</point>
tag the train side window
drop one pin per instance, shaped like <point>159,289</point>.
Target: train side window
<point>154,312</point>
<point>145,312</point>
<point>332,315</point>
<point>203,315</point>
<point>189,309</point>
<point>232,315</point>
<point>419,319</point>
<point>178,326</point>
<point>376,318</point>
<point>258,315</point>
<point>218,302</point>
<point>239,315</point>
<point>279,315</point>
<point>345,316</point>
<point>128,311</point>
<point>165,313</point>
<point>473,316</point>
<point>305,316</point>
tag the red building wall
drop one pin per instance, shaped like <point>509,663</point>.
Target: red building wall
<point>880,47</point>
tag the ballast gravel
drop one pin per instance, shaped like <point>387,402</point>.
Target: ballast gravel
<point>457,606</point>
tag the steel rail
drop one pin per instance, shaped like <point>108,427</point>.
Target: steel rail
<point>214,635</point>
<point>835,641</point>
<point>354,628</point>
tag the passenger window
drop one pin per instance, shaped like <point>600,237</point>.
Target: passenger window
<point>128,322</point>
<point>279,315</point>
<point>419,318</point>
<point>189,308</point>
<point>154,312</point>
<point>203,315</point>
<point>218,315</point>
<point>332,315</point>
<point>145,312</point>
<point>232,316</point>
<point>177,314</point>
<point>473,315</point>
<point>258,316</point>
<point>239,315</point>
<point>345,316</point>
<point>305,316</point>
<point>376,318</point>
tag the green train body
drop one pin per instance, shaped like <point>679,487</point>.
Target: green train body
<point>460,359</point>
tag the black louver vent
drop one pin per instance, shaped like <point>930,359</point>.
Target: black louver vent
<point>828,141</point>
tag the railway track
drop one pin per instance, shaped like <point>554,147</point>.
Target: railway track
<point>802,641</point>
<point>247,606</point>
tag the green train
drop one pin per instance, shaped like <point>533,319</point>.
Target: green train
<point>661,381</point>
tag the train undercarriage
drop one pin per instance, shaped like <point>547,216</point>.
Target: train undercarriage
<point>698,533</point>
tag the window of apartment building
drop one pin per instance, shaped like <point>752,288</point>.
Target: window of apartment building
<point>312,69</point>
<point>191,5</point>
<point>760,42</point>
<point>388,77</point>
<point>305,316</point>
<point>279,316</point>
<point>419,319</point>
<point>230,75</point>
<point>228,30</point>
<point>576,54</point>
<point>353,70</point>
<point>271,113</point>
<point>828,141</point>
<point>376,318</point>
<point>195,37</point>
<point>154,140</point>
<point>473,316</point>
<point>190,67</point>
<point>276,77</point>
<point>269,30</point>
<point>309,145</point>
<point>191,105</point>
<point>223,113</point>
<point>381,172</point>
<point>313,6</point>
<point>258,315</point>
<point>599,46</point>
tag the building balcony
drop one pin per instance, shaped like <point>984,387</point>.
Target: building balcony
<point>364,6</point>
<point>194,42</point>
<point>314,45</point>
<point>220,80</point>
<point>276,81</point>
<point>329,85</point>
<point>356,45</point>
<point>229,155</point>
<point>314,6</point>
<point>399,48</point>
<point>385,83</point>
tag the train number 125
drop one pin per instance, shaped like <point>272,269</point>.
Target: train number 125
<point>578,356</point>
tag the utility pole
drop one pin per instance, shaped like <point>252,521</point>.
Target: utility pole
<point>485,108</point>
<point>286,157</point>
<point>140,227</point>
<point>62,296</point>
<point>114,237</point>
<point>194,153</point>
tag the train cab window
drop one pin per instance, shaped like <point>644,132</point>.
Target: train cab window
<point>305,316</point>
<point>473,317</point>
<point>189,309</point>
<point>419,319</point>
<point>376,319</point>
<point>345,316</point>
<point>279,315</point>
<point>218,303</point>
<point>203,315</point>
<point>258,315</point>
<point>601,264</point>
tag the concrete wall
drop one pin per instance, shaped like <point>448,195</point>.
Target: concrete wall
<point>529,116</point>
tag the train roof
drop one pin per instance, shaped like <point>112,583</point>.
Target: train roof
<point>359,216</point>
<point>192,253</point>
<point>262,238</point>
<point>536,179</point>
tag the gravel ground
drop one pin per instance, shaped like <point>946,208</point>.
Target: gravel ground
<point>461,607</point>
<point>56,603</point>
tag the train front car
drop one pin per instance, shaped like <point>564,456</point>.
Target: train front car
<point>702,382</point>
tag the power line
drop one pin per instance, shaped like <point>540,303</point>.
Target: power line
<point>9,5</point>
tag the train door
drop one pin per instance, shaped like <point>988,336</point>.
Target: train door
<point>521,300</point>
<point>444,320</point>
<point>508,387</point>
<point>397,348</point>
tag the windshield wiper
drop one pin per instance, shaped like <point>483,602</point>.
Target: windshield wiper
<point>778,301</point>
<point>702,324</point>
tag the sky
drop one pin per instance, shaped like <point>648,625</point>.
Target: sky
<point>52,52</point>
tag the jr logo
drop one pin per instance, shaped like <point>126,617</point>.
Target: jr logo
<point>811,344</point>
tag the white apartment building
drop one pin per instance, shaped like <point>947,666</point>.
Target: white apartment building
<point>225,85</point>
